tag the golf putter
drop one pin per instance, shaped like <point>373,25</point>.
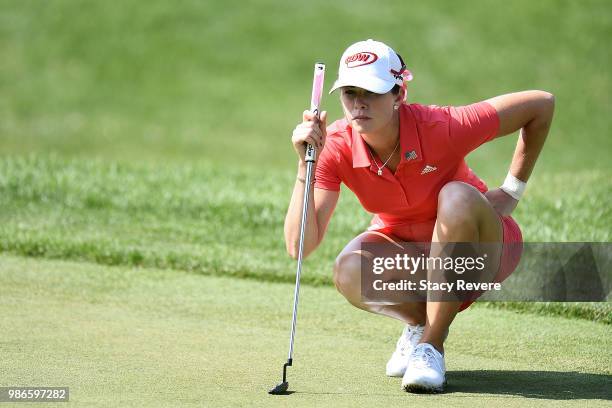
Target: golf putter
<point>310,157</point>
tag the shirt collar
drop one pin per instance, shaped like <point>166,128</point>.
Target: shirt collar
<point>410,144</point>
<point>361,156</point>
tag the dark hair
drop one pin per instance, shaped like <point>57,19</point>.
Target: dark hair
<point>396,88</point>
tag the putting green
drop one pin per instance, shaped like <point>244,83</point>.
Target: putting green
<point>145,337</point>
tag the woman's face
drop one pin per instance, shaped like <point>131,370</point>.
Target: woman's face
<point>366,111</point>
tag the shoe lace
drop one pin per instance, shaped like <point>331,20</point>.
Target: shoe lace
<point>423,357</point>
<point>407,337</point>
<point>415,331</point>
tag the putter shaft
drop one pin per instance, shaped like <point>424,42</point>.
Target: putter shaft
<point>309,158</point>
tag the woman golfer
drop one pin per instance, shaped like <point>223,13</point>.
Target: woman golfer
<point>405,163</point>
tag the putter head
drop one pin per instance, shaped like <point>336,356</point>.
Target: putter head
<point>280,388</point>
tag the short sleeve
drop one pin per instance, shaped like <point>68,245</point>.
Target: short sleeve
<point>326,173</point>
<point>472,125</point>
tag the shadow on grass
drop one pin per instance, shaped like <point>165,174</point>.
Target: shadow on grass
<point>552,385</point>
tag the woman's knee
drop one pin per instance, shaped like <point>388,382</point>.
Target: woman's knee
<point>462,206</point>
<point>347,270</point>
<point>461,201</point>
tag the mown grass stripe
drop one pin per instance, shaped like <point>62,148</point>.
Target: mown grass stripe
<point>200,219</point>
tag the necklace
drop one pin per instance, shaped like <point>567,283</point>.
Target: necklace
<point>380,168</point>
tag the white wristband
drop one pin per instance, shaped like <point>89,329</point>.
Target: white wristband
<point>514,187</point>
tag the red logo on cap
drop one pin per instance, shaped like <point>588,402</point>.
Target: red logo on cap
<point>359,59</point>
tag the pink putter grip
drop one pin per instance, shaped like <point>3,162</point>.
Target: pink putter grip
<point>317,87</point>
<point>315,101</point>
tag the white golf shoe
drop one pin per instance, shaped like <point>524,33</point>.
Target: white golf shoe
<point>426,370</point>
<point>411,335</point>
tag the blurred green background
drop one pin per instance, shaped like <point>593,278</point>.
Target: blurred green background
<point>158,133</point>
<point>226,81</point>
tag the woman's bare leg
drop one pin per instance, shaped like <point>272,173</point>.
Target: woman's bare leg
<point>464,215</point>
<point>347,278</point>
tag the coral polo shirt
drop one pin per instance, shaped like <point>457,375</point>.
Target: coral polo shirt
<point>434,141</point>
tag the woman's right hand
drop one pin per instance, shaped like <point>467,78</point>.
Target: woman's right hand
<point>312,130</point>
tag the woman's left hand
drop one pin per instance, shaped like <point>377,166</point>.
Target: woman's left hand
<point>501,201</point>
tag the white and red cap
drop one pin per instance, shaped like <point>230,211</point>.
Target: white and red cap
<point>371,65</point>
